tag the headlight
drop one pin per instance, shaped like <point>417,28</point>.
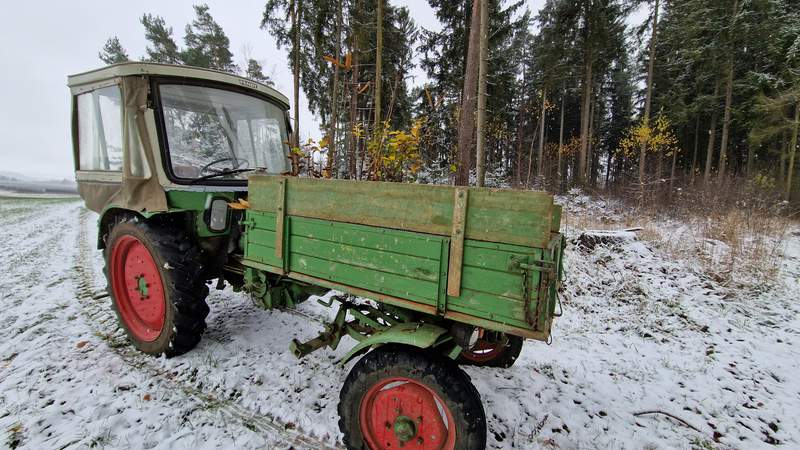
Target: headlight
<point>218,216</point>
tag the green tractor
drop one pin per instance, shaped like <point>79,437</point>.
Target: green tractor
<point>190,172</point>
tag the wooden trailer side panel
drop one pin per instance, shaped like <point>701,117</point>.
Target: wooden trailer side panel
<point>397,263</point>
<point>492,215</point>
<point>402,248</point>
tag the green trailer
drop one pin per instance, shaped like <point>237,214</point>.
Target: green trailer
<point>189,171</point>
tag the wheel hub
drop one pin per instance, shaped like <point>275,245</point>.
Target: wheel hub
<point>404,429</point>
<point>142,286</point>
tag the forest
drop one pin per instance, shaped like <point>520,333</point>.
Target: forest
<point>699,97</point>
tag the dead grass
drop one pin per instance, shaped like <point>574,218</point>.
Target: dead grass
<point>733,233</point>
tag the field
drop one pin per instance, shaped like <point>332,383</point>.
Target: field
<point>651,353</point>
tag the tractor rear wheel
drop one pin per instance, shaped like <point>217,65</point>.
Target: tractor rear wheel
<point>494,349</point>
<point>153,275</point>
<point>403,397</point>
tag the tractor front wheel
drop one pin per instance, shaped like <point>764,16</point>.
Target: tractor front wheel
<point>402,397</point>
<point>153,275</point>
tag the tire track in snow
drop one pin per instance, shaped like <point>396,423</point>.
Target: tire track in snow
<point>42,230</point>
<point>101,318</point>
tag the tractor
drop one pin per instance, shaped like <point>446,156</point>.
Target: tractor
<point>193,179</point>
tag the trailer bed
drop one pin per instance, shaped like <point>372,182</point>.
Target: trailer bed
<point>489,257</point>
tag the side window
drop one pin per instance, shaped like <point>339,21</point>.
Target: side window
<point>100,129</point>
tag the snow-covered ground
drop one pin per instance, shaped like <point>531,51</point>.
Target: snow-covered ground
<point>641,336</point>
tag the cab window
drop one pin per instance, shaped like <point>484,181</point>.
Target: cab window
<point>100,129</point>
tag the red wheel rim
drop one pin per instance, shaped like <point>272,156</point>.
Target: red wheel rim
<point>137,287</point>
<point>401,412</point>
<point>484,351</point>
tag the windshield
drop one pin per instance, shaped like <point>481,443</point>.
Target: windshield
<point>221,134</point>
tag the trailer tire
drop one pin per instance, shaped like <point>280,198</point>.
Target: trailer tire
<point>502,353</point>
<point>399,394</point>
<point>154,280</point>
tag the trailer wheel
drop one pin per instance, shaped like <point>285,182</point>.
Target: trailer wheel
<point>403,397</point>
<point>493,350</point>
<point>153,275</point>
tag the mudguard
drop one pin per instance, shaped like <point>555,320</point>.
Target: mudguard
<point>421,335</point>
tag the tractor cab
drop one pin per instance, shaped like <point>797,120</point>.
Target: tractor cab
<point>142,131</point>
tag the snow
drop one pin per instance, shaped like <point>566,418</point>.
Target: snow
<point>641,332</point>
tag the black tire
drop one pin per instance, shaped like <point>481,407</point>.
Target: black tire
<point>184,290</point>
<point>440,375</point>
<point>504,356</point>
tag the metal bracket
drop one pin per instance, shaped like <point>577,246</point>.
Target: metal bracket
<point>516,263</point>
<point>526,266</point>
<point>371,327</point>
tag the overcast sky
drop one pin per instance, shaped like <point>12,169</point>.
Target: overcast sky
<point>42,44</point>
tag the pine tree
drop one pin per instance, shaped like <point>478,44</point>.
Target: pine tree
<point>112,52</point>
<point>255,72</point>
<point>207,45</point>
<point>162,48</point>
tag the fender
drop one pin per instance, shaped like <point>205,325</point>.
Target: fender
<point>421,335</point>
<point>113,209</point>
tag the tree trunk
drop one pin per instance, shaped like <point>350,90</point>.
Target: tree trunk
<point>792,150</point>
<point>296,17</point>
<point>751,153</point>
<point>332,166</point>
<point>694,153</point>
<point>659,166</point>
<point>585,114</point>
<point>590,150</point>
<point>782,166</point>
<point>540,160</point>
<point>712,135</point>
<point>561,139</point>
<point>672,171</point>
<point>649,93</point>
<point>480,161</point>
<point>466,129</point>
<point>378,67</point>
<point>726,120</point>
<point>351,162</point>
<point>530,157</point>
<point>520,131</point>
<point>518,168</point>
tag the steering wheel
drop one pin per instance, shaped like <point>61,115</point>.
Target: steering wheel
<point>240,163</point>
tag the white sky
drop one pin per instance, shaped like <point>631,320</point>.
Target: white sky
<point>43,43</point>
